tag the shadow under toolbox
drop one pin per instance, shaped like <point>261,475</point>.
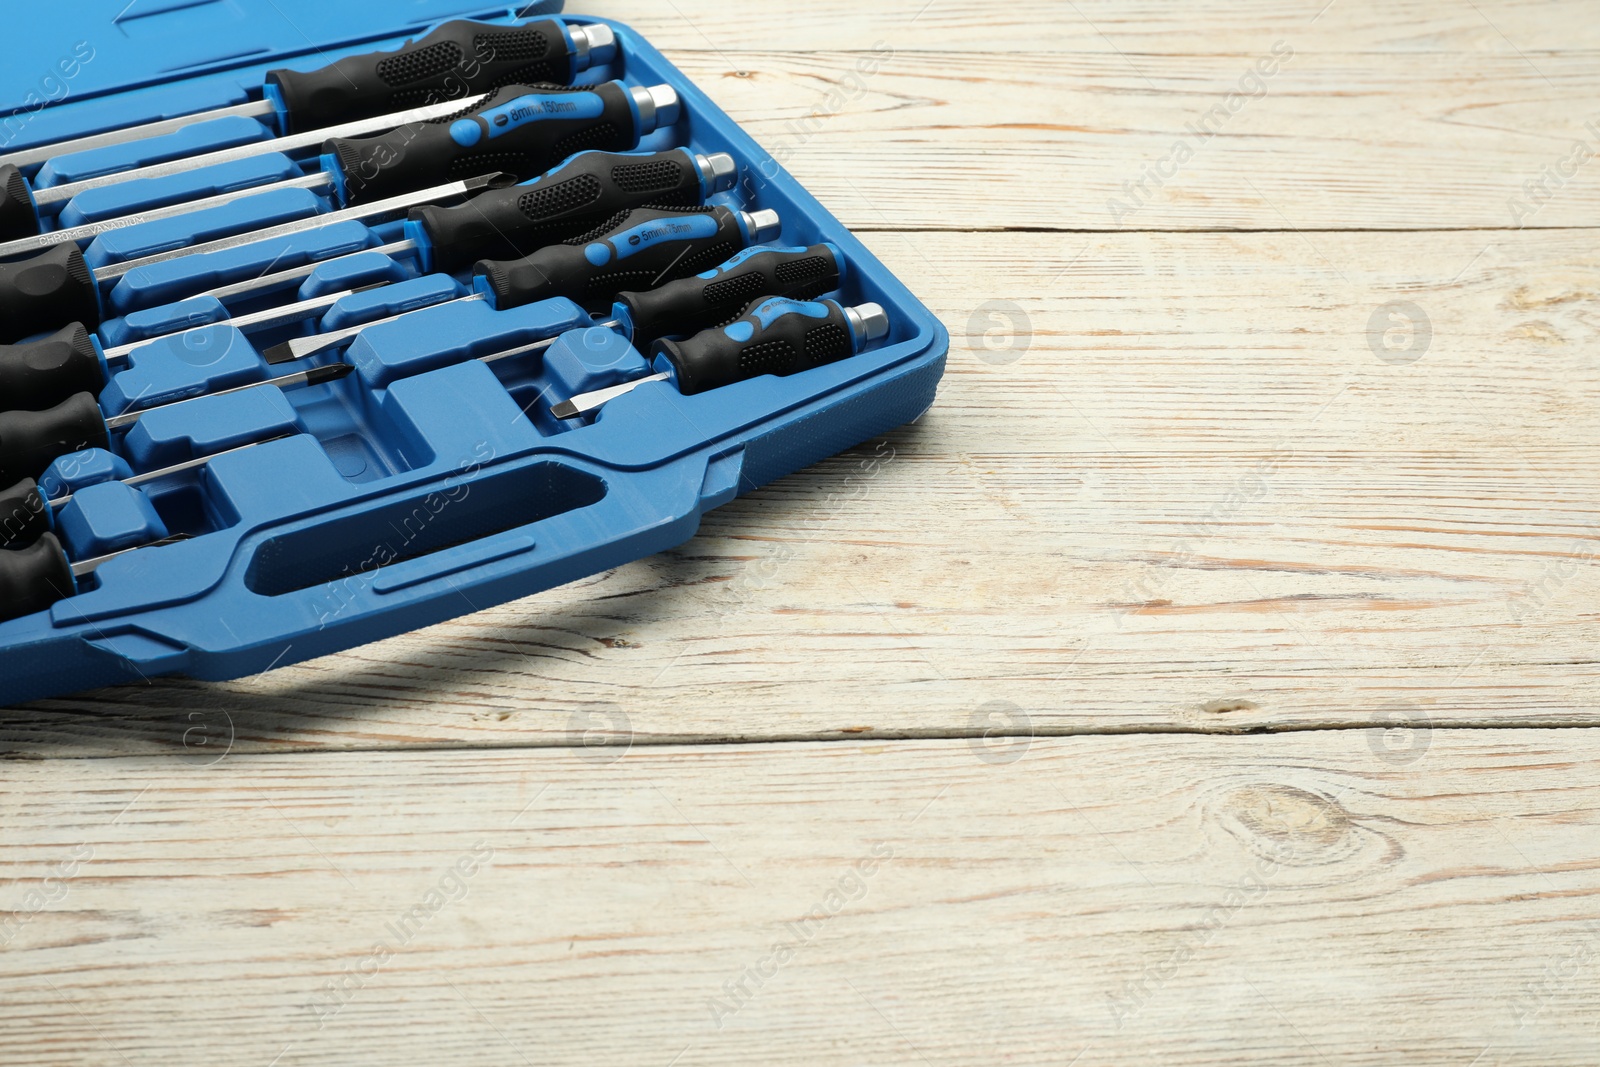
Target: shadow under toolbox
<point>283,375</point>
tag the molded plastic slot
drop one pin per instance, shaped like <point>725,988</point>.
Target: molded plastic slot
<point>190,510</point>
<point>455,513</point>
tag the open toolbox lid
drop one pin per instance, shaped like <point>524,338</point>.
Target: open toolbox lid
<point>426,485</point>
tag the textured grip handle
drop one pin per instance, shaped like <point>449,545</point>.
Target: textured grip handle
<point>24,514</point>
<point>520,130</point>
<point>41,374</point>
<point>645,248</point>
<point>47,292</point>
<point>31,440</point>
<point>33,578</point>
<point>19,217</point>
<point>571,200</point>
<point>687,306</point>
<point>776,336</point>
<point>456,60</point>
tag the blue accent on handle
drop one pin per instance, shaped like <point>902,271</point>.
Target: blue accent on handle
<point>633,110</point>
<point>843,261</point>
<point>571,35</point>
<point>100,354</point>
<point>740,332</point>
<point>520,112</point>
<point>739,260</point>
<point>780,306</point>
<point>705,185</point>
<point>649,234</point>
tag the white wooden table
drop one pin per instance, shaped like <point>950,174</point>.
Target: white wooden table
<point>1209,678</point>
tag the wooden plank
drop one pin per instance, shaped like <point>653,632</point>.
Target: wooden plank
<point>1135,27</point>
<point>1083,141</point>
<point>1189,901</point>
<point>1193,497</point>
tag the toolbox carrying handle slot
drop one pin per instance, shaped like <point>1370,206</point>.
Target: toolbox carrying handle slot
<point>443,525</point>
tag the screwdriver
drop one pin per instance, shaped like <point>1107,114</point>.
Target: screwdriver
<point>572,199</point>
<point>41,374</point>
<point>34,578</point>
<point>24,209</point>
<point>690,305</point>
<point>775,335</point>
<point>646,247</point>
<point>719,296</point>
<point>26,515</point>
<point>518,128</point>
<point>457,59</point>
<point>31,440</point>
<point>58,287</point>
<point>589,188</point>
<point>424,80</point>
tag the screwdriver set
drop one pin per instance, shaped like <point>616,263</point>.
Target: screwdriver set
<point>322,323</point>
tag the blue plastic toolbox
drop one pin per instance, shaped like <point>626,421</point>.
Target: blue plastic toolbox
<point>300,519</point>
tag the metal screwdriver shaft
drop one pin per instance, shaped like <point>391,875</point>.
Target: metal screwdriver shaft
<point>58,287</point>
<point>90,230</point>
<point>32,157</point>
<point>362,86</point>
<point>47,200</point>
<point>315,376</point>
<point>25,514</point>
<point>790,336</point>
<point>648,247</point>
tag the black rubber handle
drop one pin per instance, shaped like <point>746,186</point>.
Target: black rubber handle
<point>46,292</point>
<point>457,60</point>
<point>717,297</point>
<point>642,249</point>
<point>24,514</point>
<point>33,578</point>
<point>41,374</point>
<point>774,336</point>
<point>575,198</point>
<point>31,440</point>
<point>520,129</point>
<point>19,217</point>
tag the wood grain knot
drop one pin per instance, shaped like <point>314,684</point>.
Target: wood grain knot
<point>1291,825</point>
<point>1226,704</point>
